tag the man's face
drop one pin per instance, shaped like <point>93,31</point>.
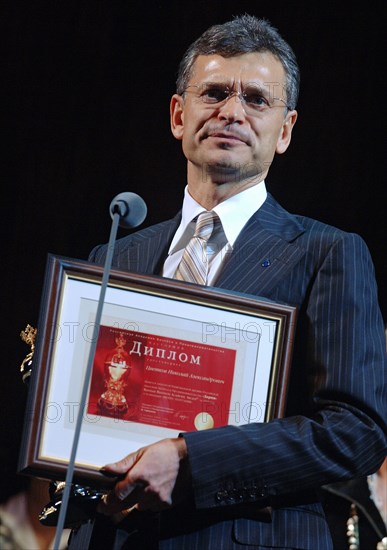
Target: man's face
<point>233,137</point>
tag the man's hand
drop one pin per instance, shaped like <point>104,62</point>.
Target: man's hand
<point>156,477</point>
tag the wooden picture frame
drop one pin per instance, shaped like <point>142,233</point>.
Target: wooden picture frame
<point>171,357</point>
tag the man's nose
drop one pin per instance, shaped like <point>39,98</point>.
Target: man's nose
<point>233,108</point>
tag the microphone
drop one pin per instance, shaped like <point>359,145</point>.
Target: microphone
<point>131,209</point>
<point>127,210</point>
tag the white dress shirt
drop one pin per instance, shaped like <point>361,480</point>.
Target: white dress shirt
<point>234,213</point>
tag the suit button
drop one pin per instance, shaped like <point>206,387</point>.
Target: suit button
<point>221,496</point>
<point>237,495</point>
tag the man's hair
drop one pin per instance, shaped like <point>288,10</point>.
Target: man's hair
<point>243,34</point>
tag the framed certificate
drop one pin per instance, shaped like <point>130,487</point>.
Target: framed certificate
<point>170,357</point>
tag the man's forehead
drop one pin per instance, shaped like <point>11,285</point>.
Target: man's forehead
<point>257,67</point>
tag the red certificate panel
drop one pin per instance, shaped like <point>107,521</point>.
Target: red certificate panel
<point>161,381</point>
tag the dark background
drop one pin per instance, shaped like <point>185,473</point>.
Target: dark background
<point>85,88</point>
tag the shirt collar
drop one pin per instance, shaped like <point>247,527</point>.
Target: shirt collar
<point>233,213</point>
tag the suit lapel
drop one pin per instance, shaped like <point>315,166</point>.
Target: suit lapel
<point>149,248</point>
<point>265,251</point>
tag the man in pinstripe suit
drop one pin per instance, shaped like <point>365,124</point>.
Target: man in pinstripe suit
<point>254,485</point>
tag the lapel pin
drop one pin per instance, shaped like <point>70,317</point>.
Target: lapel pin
<point>266,262</point>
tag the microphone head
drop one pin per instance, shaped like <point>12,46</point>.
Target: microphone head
<point>131,209</point>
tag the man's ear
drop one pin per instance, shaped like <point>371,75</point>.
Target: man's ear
<point>177,116</point>
<point>286,132</point>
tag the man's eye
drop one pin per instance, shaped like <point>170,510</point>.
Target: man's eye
<point>214,95</point>
<point>256,100</point>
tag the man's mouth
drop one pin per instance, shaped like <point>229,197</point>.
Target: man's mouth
<point>226,135</point>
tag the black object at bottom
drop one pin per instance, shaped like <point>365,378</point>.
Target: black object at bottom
<point>82,505</point>
<point>91,530</point>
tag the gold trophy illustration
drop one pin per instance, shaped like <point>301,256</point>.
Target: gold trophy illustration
<point>116,372</point>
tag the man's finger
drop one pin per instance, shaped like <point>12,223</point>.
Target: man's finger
<point>111,504</point>
<point>120,467</point>
<point>124,488</point>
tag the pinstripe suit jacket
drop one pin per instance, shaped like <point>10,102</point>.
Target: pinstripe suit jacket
<point>334,425</point>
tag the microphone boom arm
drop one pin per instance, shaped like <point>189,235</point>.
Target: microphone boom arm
<point>120,210</point>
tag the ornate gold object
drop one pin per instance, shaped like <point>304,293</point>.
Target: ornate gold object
<point>116,372</point>
<point>28,335</point>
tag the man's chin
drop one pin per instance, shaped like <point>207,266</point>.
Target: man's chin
<point>226,172</point>
<point>224,168</point>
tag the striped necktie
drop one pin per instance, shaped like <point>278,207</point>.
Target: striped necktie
<point>194,263</point>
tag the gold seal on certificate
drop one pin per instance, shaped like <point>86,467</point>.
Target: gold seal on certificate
<point>203,421</point>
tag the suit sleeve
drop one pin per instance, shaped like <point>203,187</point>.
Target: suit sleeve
<point>342,435</point>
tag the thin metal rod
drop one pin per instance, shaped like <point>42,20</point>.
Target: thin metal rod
<point>82,403</point>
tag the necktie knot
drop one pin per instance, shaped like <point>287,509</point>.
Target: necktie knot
<point>194,263</point>
<point>204,225</point>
